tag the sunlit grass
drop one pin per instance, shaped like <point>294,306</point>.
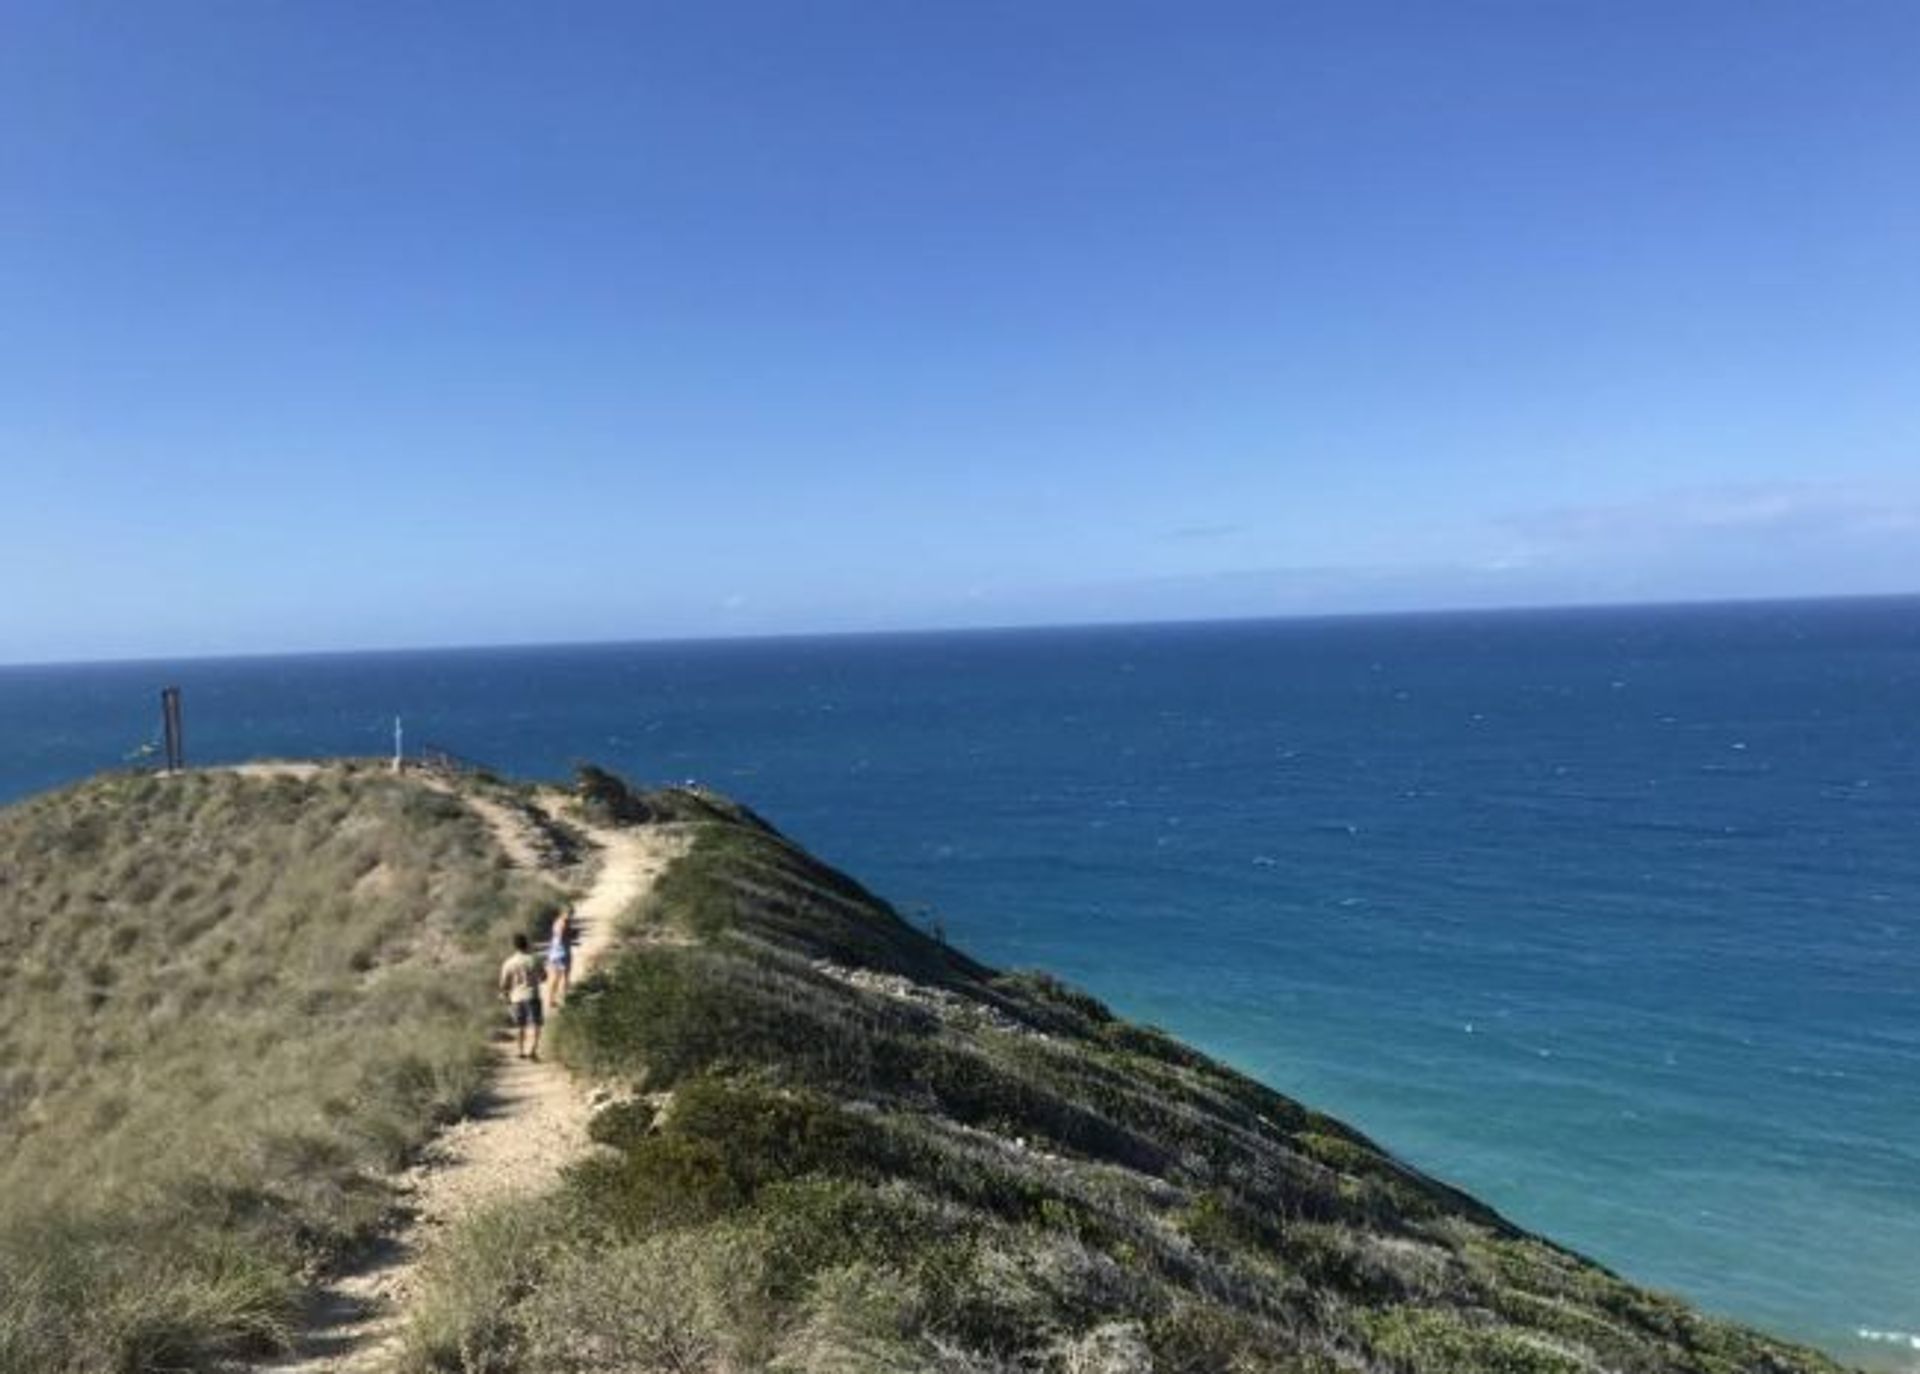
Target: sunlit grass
<point>236,1005</point>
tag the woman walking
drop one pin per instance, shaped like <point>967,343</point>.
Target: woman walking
<point>560,956</point>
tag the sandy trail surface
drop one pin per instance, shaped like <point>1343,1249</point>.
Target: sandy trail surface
<point>277,768</point>
<point>531,1125</point>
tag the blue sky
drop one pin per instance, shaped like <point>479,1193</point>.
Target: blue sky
<point>334,325</point>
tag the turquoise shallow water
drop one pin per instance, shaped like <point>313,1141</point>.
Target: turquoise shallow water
<point>1612,917</point>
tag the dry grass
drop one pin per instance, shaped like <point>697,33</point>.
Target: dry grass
<point>235,1004</point>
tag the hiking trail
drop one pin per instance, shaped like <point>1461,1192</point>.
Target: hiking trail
<point>531,1124</point>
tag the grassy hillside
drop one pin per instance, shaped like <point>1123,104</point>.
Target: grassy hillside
<point>842,1146</point>
<point>233,1006</point>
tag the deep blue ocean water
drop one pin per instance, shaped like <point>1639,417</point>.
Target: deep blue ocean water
<point>1610,916</point>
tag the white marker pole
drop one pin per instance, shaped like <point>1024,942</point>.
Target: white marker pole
<point>398,753</point>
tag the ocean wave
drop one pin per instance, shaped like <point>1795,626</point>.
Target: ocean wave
<point>1906,1338</point>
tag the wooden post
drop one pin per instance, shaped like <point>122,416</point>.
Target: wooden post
<point>170,721</point>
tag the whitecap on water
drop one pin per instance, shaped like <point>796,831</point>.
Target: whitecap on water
<point>1906,1338</point>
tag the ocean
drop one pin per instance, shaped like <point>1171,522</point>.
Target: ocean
<point>1611,917</point>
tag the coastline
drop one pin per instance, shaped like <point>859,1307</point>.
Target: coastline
<point>1096,804</point>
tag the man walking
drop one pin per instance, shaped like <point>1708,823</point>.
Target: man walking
<point>520,985</point>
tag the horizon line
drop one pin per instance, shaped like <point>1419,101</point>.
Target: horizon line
<point>779,636</point>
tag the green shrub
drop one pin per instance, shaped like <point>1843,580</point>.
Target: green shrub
<point>719,1146</point>
<point>664,1181</point>
<point>622,1125</point>
<point>1078,1009</point>
<point>809,1226</point>
<point>1431,1341</point>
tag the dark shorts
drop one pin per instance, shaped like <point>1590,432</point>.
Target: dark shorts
<point>527,1013</point>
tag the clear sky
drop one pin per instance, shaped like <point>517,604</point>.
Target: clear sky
<point>369,324</point>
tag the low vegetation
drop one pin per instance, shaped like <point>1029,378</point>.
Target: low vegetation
<point>234,1006</point>
<point>835,1143</point>
<point>841,1145</point>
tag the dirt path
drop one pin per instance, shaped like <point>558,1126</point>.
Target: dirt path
<point>275,768</point>
<point>531,1125</point>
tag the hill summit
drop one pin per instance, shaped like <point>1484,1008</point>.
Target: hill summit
<point>827,1140</point>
